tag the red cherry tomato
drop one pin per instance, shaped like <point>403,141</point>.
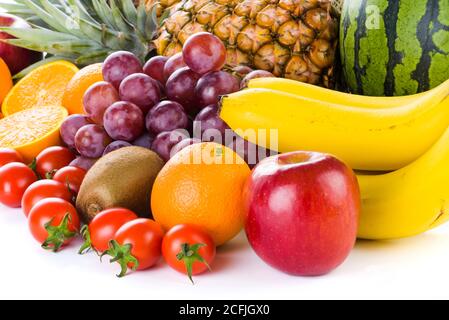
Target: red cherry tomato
<point>71,177</point>
<point>15,178</point>
<point>53,159</point>
<point>43,189</point>
<point>136,245</point>
<point>54,223</point>
<point>188,249</point>
<point>9,155</point>
<point>103,227</point>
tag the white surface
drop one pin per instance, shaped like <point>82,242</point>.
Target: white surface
<point>411,268</point>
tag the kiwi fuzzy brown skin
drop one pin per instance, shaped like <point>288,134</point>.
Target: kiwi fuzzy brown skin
<point>123,178</point>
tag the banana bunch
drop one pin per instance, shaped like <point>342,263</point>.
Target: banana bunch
<point>387,137</point>
<point>408,201</point>
<point>407,136</point>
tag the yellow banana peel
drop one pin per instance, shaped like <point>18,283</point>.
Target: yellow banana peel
<point>383,139</point>
<point>408,201</point>
<point>318,93</point>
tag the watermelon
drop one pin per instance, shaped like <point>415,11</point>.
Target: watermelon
<point>394,47</point>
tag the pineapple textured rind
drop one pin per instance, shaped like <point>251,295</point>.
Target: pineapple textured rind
<point>296,39</point>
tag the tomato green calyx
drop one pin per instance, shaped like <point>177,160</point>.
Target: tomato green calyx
<point>33,166</point>
<point>87,245</point>
<point>189,255</point>
<point>49,175</point>
<point>122,255</point>
<point>58,235</point>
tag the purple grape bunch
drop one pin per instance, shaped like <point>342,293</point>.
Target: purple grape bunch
<point>165,105</point>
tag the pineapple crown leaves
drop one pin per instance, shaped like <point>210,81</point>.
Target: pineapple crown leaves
<point>84,31</point>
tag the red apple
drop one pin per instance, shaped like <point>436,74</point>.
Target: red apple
<point>302,212</point>
<point>16,58</point>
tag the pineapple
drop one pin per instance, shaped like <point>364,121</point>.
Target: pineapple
<point>338,5</point>
<point>296,39</point>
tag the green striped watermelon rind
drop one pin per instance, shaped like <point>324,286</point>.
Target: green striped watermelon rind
<point>394,47</point>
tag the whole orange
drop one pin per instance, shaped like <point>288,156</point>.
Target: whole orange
<point>202,185</point>
<point>5,80</point>
<point>81,81</point>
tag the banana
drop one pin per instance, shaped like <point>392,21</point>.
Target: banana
<point>323,94</point>
<point>408,201</point>
<point>367,139</point>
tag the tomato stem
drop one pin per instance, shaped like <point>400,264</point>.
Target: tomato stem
<point>189,255</point>
<point>33,166</point>
<point>87,245</point>
<point>122,255</point>
<point>58,235</point>
<point>49,175</point>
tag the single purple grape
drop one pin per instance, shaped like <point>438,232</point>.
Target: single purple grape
<point>70,127</point>
<point>141,90</point>
<point>204,52</point>
<point>115,146</point>
<point>211,127</point>
<point>155,68</point>
<point>180,87</point>
<point>254,75</point>
<point>165,141</point>
<point>97,99</point>
<point>167,116</point>
<point>213,85</point>
<point>83,163</point>
<point>124,121</point>
<point>145,140</point>
<point>91,140</point>
<point>173,63</point>
<point>119,65</point>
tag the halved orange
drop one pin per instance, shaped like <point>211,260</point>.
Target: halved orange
<point>31,131</point>
<point>44,86</point>
<point>5,80</point>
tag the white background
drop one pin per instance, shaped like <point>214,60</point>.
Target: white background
<point>411,268</point>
